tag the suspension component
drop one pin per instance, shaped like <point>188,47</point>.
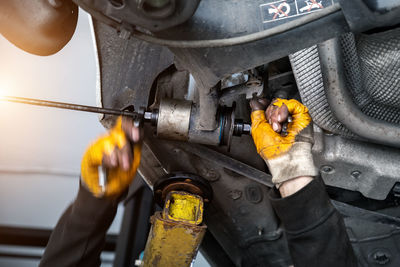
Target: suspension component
<point>177,119</point>
<point>174,119</point>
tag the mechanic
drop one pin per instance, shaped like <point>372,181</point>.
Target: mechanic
<point>315,231</point>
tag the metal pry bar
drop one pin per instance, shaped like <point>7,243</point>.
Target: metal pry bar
<point>62,105</point>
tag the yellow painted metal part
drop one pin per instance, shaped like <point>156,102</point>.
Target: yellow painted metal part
<point>176,232</point>
<point>184,207</point>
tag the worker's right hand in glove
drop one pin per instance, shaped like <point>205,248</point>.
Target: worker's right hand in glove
<point>288,157</point>
<point>110,163</point>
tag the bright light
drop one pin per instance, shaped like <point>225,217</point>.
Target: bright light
<point>3,90</point>
<point>2,93</point>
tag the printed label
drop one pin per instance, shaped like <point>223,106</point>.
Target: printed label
<point>312,5</point>
<point>291,8</point>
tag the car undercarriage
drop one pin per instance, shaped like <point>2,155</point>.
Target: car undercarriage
<point>194,65</point>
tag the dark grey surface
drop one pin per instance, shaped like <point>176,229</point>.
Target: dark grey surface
<point>128,68</point>
<point>355,165</point>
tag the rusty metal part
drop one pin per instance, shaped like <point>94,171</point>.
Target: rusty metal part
<point>177,120</point>
<point>185,186</point>
<point>180,181</point>
<point>173,119</point>
<point>184,207</point>
<point>251,88</point>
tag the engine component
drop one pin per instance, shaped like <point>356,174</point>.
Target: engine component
<point>368,168</point>
<point>154,15</point>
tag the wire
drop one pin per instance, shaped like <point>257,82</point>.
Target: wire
<point>240,39</point>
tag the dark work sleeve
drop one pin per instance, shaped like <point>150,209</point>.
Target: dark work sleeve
<point>79,236</point>
<point>315,230</point>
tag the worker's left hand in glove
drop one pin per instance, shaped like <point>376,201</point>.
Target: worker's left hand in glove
<point>110,163</point>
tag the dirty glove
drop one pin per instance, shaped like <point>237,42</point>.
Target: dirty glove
<point>110,163</point>
<point>287,156</point>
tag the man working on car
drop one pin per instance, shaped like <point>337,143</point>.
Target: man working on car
<point>315,231</point>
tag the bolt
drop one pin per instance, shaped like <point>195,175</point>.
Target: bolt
<point>211,175</point>
<point>235,194</point>
<point>260,230</point>
<point>356,174</point>
<point>124,34</point>
<point>177,150</point>
<point>396,189</point>
<point>381,257</point>
<point>147,115</point>
<point>327,169</point>
<point>246,128</point>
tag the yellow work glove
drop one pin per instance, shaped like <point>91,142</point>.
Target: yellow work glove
<point>115,180</point>
<point>287,156</point>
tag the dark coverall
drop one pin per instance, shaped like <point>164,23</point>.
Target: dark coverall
<point>315,230</point>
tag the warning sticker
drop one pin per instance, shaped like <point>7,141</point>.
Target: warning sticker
<point>278,10</point>
<point>291,8</point>
<point>312,5</point>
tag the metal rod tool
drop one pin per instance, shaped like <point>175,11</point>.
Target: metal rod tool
<point>62,105</point>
